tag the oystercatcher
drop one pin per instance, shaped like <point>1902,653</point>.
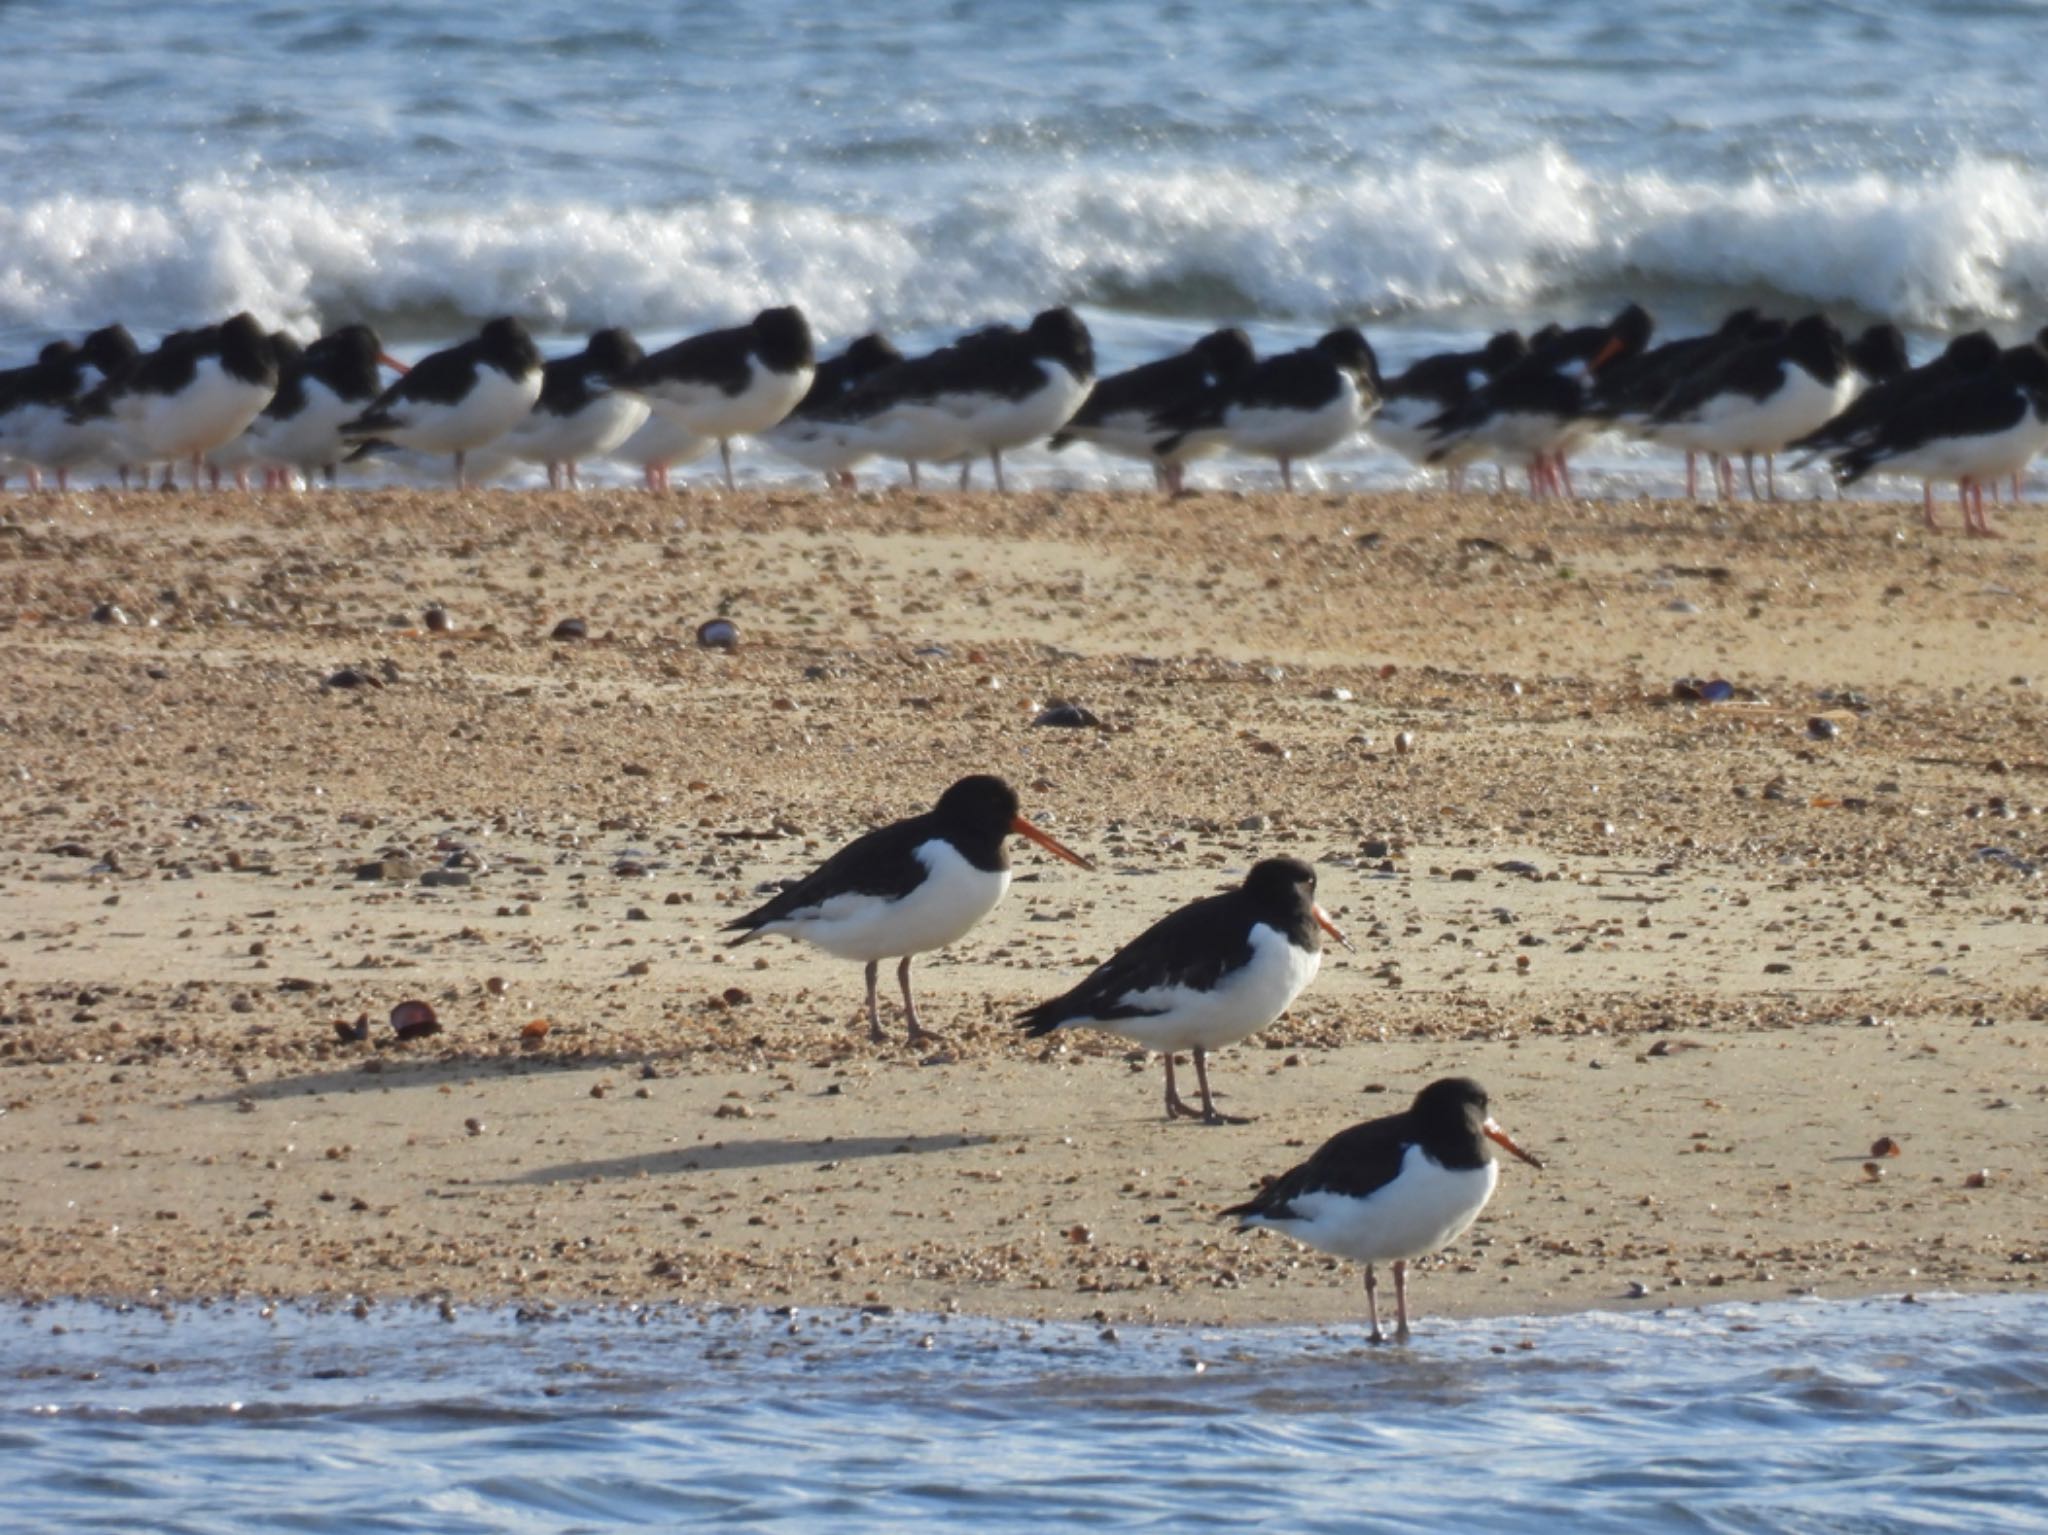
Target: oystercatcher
<point>459,399</point>
<point>1626,394</point>
<point>1972,352</point>
<point>1536,411</point>
<point>731,383</point>
<point>197,391</point>
<point>1756,399</point>
<point>332,380</point>
<point>1299,403</point>
<point>1430,387</point>
<point>994,389</point>
<point>1391,1189</point>
<point>240,452</point>
<point>39,404</point>
<point>908,887</point>
<point>1210,974</point>
<point>808,435</point>
<point>580,413</point>
<point>1132,413</point>
<point>1981,428</point>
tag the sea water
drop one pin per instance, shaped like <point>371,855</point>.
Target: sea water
<point>1427,171</point>
<point>1874,1416</point>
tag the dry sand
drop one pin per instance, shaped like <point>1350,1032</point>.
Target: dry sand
<point>1701,958</point>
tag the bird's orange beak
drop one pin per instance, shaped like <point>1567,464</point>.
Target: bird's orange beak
<point>1050,843</point>
<point>393,363</point>
<point>1323,921</point>
<point>1614,348</point>
<point>1500,1137</point>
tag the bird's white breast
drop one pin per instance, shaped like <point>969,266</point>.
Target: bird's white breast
<point>1424,1208</point>
<point>949,900</point>
<point>1242,1002</point>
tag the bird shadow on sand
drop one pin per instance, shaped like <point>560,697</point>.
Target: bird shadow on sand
<point>726,1156</point>
<point>409,1067</point>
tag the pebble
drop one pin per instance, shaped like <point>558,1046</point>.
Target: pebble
<point>1067,716</point>
<point>570,629</point>
<point>718,634</point>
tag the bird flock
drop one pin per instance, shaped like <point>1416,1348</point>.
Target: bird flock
<point>231,399</point>
<point>1208,975</point>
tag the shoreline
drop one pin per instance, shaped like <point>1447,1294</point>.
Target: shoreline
<point>1753,946</point>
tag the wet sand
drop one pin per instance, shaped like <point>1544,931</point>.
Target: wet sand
<point>1702,955</point>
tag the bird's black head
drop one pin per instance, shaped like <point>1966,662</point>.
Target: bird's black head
<point>981,800</point>
<point>286,348</point>
<point>356,342</point>
<point>1739,323</point>
<point>611,353</point>
<point>246,350</point>
<point>1879,353</point>
<point>505,345</point>
<point>1455,1125</point>
<point>1502,350</point>
<point>1227,353</point>
<point>1060,335</point>
<point>56,352</point>
<point>1632,328</point>
<point>871,354</point>
<point>1816,345</point>
<point>782,340</point>
<point>1349,350</point>
<point>1972,352</point>
<point>1282,891</point>
<point>2026,365</point>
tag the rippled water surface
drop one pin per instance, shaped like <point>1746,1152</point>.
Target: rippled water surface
<point>1864,1416</point>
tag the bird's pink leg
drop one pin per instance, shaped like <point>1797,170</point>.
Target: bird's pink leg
<point>1564,472</point>
<point>1692,475</point>
<point>1209,1114</point>
<point>1401,1297</point>
<point>2017,497</point>
<point>1771,476</point>
<point>1927,506</point>
<point>461,474</point>
<point>725,457</point>
<point>875,1034</point>
<point>1175,1108</point>
<point>1749,472</point>
<point>1372,1304</point>
<point>1287,476</point>
<point>919,1034</point>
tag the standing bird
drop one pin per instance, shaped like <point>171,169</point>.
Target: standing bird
<point>993,389</point>
<point>907,888</point>
<point>808,435</point>
<point>731,383</point>
<point>1759,398</point>
<point>198,391</point>
<point>1213,973</point>
<point>581,413</point>
<point>1432,386</point>
<point>1132,413</point>
<point>332,380</point>
<point>1300,403</point>
<point>1972,352</point>
<point>659,445</point>
<point>40,423</point>
<point>1391,1189</point>
<point>457,400</point>
<point>1983,427</point>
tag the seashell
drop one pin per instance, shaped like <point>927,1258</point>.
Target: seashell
<point>414,1020</point>
<point>437,620</point>
<point>353,1033</point>
<point>718,634</point>
<point>1884,1146</point>
<point>534,1032</point>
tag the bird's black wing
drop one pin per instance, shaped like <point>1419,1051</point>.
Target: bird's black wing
<point>882,862</point>
<point>1195,946</point>
<point>1355,1161</point>
<point>719,358</point>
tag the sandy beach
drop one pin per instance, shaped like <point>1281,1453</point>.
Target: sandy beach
<point>1703,955</point>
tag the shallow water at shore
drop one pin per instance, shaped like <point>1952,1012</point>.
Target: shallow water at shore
<point>1878,1415</point>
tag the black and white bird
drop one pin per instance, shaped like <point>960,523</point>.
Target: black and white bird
<point>331,381</point>
<point>995,389</point>
<point>1392,1189</point>
<point>1972,352</point>
<point>39,422</point>
<point>1299,404</point>
<point>1210,974</point>
<point>459,399</point>
<point>736,382</point>
<point>809,435</point>
<point>1131,414</point>
<point>1536,411</point>
<point>238,455</point>
<point>908,887</point>
<point>581,413</point>
<point>197,391</point>
<point>1982,428</point>
<point>1758,399</point>
<point>1430,387</point>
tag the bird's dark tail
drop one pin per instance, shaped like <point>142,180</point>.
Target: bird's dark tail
<point>1037,1022</point>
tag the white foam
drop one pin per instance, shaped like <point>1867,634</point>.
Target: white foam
<point>1965,244</point>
